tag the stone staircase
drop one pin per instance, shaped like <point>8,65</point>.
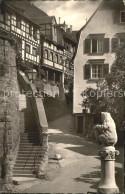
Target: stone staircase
<point>29,155</point>
<point>55,108</point>
<point>30,151</point>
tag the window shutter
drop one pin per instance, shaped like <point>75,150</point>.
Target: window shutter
<point>87,45</point>
<point>105,69</point>
<point>114,44</point>
<point>106,45</point>
<point>87,71</point>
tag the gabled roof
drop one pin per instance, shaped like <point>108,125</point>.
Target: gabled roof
<point>92,16</point>
<point>103,1</point>
<point>32,12</point>
<point>27,8</point>
<point>17,11</point>
<point>43,19</point>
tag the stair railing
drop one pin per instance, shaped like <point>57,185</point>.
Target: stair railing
<point>35,157</point>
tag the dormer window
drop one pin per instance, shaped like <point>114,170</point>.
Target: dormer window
<point>122,17</point>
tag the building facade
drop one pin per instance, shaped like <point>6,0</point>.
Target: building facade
<point>28,32</point>
<point>44,43</point>
<point>96,48</point>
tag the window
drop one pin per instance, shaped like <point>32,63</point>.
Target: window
<point>67,63</point>
<point>51,56</point>
<point>48,32</point>
<point>7,19</point>
<point>18,23</point>
<point>96,45</point>
<point>27,48</point>
<point>34,51</point>
<point>122,16</point>
<point>95,71</point>
<point>56,58</point>
<point>61,60</point>
<point>42,27</point>
<point>34,33</point>
<point>30,30</point>
<point>48,26</point>
<point>46,54</point>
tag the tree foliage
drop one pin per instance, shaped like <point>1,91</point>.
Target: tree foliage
<point>109,94</point>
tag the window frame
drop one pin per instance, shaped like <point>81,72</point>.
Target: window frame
<point>121,17</point>
<point>97,73</point>
<point>27,45</point>
<point>56,58</point>
<point>34,49</point>
<point>51,56</point>
<point>88,71</point>
<point>18,22</point>
<point>97,46</point>
<point>46,54</point>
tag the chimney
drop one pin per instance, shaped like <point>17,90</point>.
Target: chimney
<point>59,20</point>
<point>64,26</point>
<point>70,29</point>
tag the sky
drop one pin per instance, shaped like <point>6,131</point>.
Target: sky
<point>73,12</point>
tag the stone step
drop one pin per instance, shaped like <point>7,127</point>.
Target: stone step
<point>24,168</point>
<point>24,175</point>
<point>23,180</point>
<point>28,156</point>
<point>30,160</point>
<point>23,171</point>
<point>26,162</point>
<point>29,148</point>
<point>29,141</point>
<point>34,152</point>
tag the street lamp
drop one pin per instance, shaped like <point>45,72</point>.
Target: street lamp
<point>32,74</point>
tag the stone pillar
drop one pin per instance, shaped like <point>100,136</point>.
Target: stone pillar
<point>107,184</point>
<point>45,140</point>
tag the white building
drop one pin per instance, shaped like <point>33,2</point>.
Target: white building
<point>96,48</point>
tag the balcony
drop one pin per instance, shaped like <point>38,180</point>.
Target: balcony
<point>47,62</point>
<point>58,66</point>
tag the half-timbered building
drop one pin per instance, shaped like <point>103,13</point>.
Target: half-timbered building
<point>25,29</point>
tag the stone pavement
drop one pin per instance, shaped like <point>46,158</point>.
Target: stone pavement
<point>79,169</point>
<point>80,164</point>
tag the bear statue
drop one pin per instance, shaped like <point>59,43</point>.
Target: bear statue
<point>106,133</point>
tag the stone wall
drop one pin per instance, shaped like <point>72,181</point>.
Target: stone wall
<point>9,107</point>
